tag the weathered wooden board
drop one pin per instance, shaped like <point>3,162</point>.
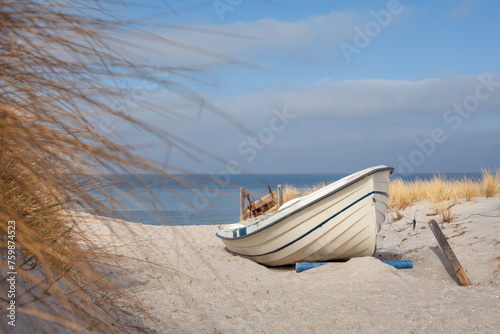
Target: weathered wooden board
<point>242,203</point>
<point>258,203</point>
<point>257,207</point>
<point>448,252</point>
<point>280,195</point>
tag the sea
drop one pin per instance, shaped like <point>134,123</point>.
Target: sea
<point>204,199</point>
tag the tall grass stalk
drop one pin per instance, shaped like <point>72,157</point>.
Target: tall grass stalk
<point>489,183</point>
<point>290,192</point>
<point>60,65</point>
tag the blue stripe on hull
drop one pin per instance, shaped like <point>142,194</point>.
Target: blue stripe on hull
<point>315,228</point>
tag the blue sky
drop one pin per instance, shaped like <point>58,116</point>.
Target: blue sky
<point>323,86</point>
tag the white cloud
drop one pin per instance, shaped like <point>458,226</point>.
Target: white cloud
<point>365,97</point>
<point>366,122</point>
<point>245,40</point>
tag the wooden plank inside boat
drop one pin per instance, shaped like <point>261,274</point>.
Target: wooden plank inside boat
<point>261,205</point>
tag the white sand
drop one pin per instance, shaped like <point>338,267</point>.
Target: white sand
<point>188,283</point>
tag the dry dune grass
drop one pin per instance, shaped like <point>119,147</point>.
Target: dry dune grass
<point>490,183</point>
<point>439,189</point>
<point>442,192</point>
<point>313,188</point>
<point>58,74</point>
<point>290,192</point>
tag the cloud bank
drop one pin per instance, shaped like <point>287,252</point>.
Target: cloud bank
<point>246,41</point>
<point>349,125</point>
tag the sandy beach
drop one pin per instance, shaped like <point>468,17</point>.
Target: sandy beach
<point>185,282</point>
<point>166,113</point>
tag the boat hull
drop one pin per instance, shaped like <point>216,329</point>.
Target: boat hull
<point>334,224</point>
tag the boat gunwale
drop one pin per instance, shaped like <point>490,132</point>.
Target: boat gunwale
<point>357,179</point>
<point>313,229</point>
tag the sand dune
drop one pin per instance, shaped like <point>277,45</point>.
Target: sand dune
<point>187,283</point>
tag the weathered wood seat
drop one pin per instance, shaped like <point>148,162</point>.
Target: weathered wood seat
<point>261,205</point>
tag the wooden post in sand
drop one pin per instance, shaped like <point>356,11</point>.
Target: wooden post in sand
<point>448,252</point>
<point>242,202</point>
<point>280,195</point>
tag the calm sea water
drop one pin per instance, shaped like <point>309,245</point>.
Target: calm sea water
<point>205,199</point>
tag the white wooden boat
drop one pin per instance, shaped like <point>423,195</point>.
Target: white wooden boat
<point>339,221</point>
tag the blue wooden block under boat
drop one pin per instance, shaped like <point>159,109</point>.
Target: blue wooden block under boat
<point>302,266</point>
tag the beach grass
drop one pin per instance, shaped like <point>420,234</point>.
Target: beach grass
<point>59,73</point>
<point>490,183</point>
<point>442,192</point>
<point>440,189</point>
<point>290,192</point>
